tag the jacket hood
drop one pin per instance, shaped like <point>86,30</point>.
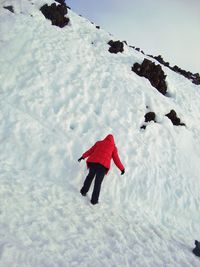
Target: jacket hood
<point>110,138</point>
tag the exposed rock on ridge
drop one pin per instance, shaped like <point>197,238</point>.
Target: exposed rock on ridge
<point>116,46</point>
<point>56,13</point>
<point>153,73</point>
<point>195,78</point>
<point>174,119</point>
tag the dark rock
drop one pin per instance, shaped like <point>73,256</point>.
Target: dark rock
<point>160,59</point>
<point>111,42</point>
<point>56,13</point>
<point>62,2</point>
<point>150,116</point>
<point>137,49</point>
<point>153,73</point>
<point>143,127</point>
<point>196,250</point>
<point>98,27</point>
<point>10,8</point>
<point>187,74</point>
<point>196,81</point>
<point>174,119</point>
<point>116,46</point>
<point>137,68</point>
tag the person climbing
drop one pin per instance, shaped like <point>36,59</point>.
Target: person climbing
<point>99,158</point>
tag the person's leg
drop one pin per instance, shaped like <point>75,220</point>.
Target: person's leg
<point>100,173</point>
<point>88,179</point>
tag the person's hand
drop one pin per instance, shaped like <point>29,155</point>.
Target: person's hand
<point>79,160</point>
<point>123,171</point>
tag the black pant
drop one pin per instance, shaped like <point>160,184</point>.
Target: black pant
<point>98,170</point>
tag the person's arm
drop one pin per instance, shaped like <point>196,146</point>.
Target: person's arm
<point>117,160</point>
<point>89,151</point>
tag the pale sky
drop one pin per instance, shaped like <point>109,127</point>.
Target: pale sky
<point>167,27</point>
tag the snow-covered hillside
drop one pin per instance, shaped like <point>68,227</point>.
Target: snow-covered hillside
<point>61,90</point>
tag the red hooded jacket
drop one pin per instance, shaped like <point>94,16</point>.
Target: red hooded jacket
<point>102,152</point>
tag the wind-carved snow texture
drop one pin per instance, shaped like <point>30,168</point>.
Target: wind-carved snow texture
<point>61,90</point>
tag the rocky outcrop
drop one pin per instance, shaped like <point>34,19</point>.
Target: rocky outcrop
<point>174,119</point>
<point>137,49</point>
<point>56,13</point>
<point>116,46</point>
<point>153,73</point>
<point>149,116</point>
<point>62,2</point>
<point>195,78</point>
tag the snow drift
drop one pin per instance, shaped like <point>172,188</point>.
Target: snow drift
<point>61,90</point>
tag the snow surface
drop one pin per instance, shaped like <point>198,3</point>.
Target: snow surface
<point>61,90</point>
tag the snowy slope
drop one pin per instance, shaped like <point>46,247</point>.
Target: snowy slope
<point>61,90</point>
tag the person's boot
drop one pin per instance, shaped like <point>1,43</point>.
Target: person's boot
<point>196,250</point>
<point>82,193</point>
<point>93,202</point>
